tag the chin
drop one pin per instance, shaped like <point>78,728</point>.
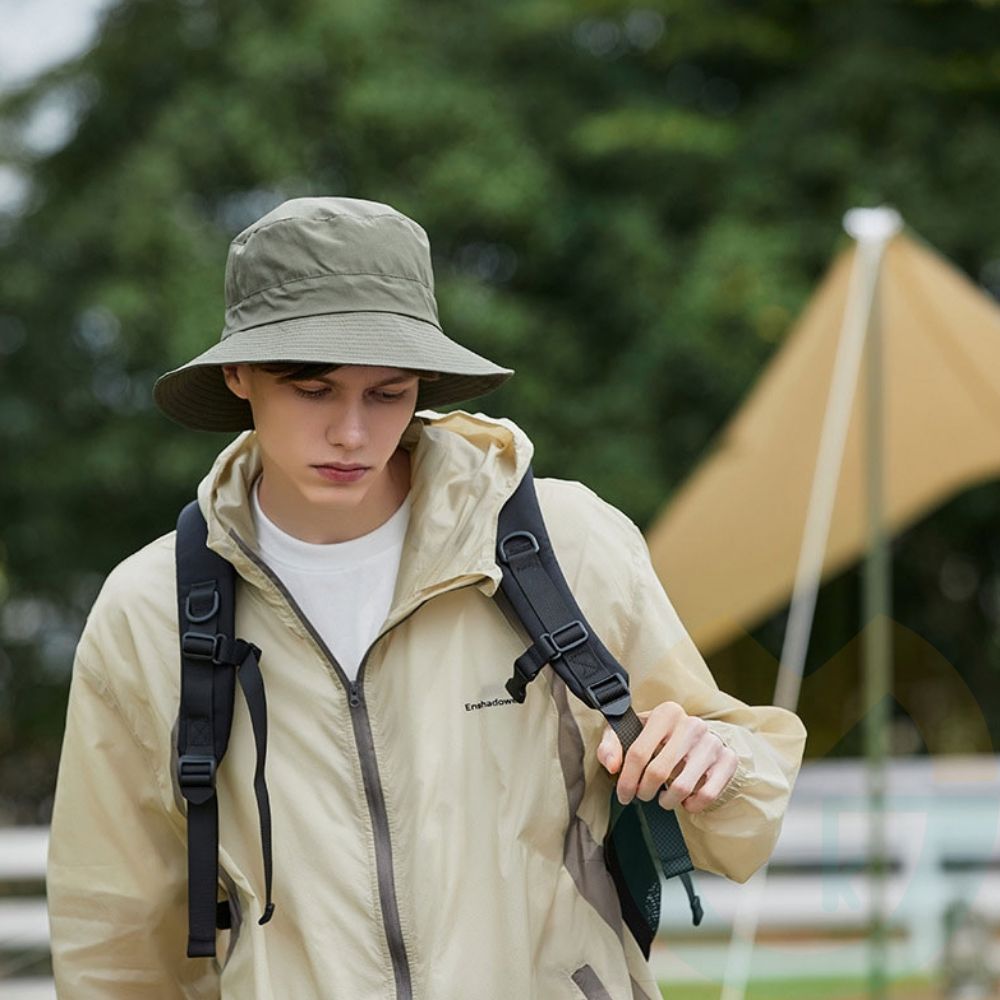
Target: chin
<point>333,493</point>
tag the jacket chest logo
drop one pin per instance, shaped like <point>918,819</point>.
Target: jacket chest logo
<point>489,696</point>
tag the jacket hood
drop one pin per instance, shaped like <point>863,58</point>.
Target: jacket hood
<point>464,466</point>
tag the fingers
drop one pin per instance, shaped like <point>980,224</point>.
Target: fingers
<point>715,780</point>
<point>609,750</point>
<point>660,725</point>
<point>701,757</point>
<point>686,751</point>
<point>675,750</point>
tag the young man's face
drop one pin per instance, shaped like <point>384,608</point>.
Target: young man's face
<point>352,416</point>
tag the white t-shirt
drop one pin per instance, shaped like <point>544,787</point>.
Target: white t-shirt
<point>344,588</point>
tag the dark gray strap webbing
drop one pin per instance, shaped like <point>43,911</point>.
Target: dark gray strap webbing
<point>203,834</point>
<point>252,685</point>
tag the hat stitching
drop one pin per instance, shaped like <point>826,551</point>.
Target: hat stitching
<point>325,274</point>
<point>327,218</point>
<point>342,312</point>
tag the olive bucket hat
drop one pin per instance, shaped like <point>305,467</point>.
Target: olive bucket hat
<point>328,281</point>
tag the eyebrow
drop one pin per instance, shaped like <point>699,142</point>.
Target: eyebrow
<point>327,380</point>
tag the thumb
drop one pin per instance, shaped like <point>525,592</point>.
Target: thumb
<point>609,751</point>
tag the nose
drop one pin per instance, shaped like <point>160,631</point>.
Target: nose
<point>348,428</point>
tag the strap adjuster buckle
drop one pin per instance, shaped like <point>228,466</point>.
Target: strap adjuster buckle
<point>557,647</point>
<point>196,776</point>
<point>611,696</point>
<point>201,645</point>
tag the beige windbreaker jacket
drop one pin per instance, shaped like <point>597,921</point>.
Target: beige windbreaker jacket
<point>432,839</point>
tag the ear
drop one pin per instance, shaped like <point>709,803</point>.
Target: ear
<point>236,379</point>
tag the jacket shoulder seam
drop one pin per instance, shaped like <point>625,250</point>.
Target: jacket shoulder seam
<point>94,676</point>
<point>633,600</point>
<point>631,530</point>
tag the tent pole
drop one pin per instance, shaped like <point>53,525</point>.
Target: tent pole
<point>829,459</point>
<point>872,229</point>
<point>876,601</point>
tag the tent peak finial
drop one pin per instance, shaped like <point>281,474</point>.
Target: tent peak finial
<point>873,225</point>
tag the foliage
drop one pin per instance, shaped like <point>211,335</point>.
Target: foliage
<point>626,204</point>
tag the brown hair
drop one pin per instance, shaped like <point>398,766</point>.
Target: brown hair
<point>300,371</point>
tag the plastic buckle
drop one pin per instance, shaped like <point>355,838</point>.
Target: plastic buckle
<point>526,668</point>
<point>557,647</point>
<point>196,771</point>
<point>611,695</point>
<point>502,547</point>
<point>517,688</point>
<point>201,645</point>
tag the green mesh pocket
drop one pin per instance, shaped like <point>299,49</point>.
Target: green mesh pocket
<point>644,845</point>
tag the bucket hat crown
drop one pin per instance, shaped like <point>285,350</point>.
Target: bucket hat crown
<point>326,281</point>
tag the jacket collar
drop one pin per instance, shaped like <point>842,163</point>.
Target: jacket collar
<point>463,468</point>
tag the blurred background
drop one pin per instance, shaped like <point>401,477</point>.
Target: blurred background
<point>631,205</point>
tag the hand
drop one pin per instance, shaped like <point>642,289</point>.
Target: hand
<point>676,756</point>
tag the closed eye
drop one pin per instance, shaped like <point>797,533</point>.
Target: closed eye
<point>386,397</point>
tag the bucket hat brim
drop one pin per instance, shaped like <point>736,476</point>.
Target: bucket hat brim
<point>196,394</point>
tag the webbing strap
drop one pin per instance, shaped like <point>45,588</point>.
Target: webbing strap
<point>627,728</point>
<point>203,839</point>
<point>252,685</point>
<point>693,900</point>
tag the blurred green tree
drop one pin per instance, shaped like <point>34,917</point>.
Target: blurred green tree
<point>627,204</point>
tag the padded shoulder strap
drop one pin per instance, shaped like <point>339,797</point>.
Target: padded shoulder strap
<point>536,590</point>
<point>206,586</point>
<point>206,610</point>
<point>211,659</point>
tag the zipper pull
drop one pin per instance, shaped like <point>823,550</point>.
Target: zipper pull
<point>354,695</point>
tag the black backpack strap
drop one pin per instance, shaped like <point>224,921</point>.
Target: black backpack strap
<point>253,691</point>
<point>534,592</point>
<point>210,659</point>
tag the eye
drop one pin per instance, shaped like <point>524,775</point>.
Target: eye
<point>310,393</point>
<point>388,397</point>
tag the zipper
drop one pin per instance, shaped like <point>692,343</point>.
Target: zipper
<point>370,777</point>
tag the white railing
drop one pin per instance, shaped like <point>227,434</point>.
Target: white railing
<point>24,925</point>
<point>943,841</point>
<point>943,848</point>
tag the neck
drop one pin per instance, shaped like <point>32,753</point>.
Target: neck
<point>324,524</point>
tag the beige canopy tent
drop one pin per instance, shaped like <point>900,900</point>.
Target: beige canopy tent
<point>728,543</point>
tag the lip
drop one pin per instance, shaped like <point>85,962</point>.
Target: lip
<point>340,467</point>
<point>341,474</point>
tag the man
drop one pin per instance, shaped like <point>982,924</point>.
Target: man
<point>432,839</point>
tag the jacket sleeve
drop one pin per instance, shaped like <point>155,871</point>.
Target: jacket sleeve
<point>737,833</point>
<point>117,866</point>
